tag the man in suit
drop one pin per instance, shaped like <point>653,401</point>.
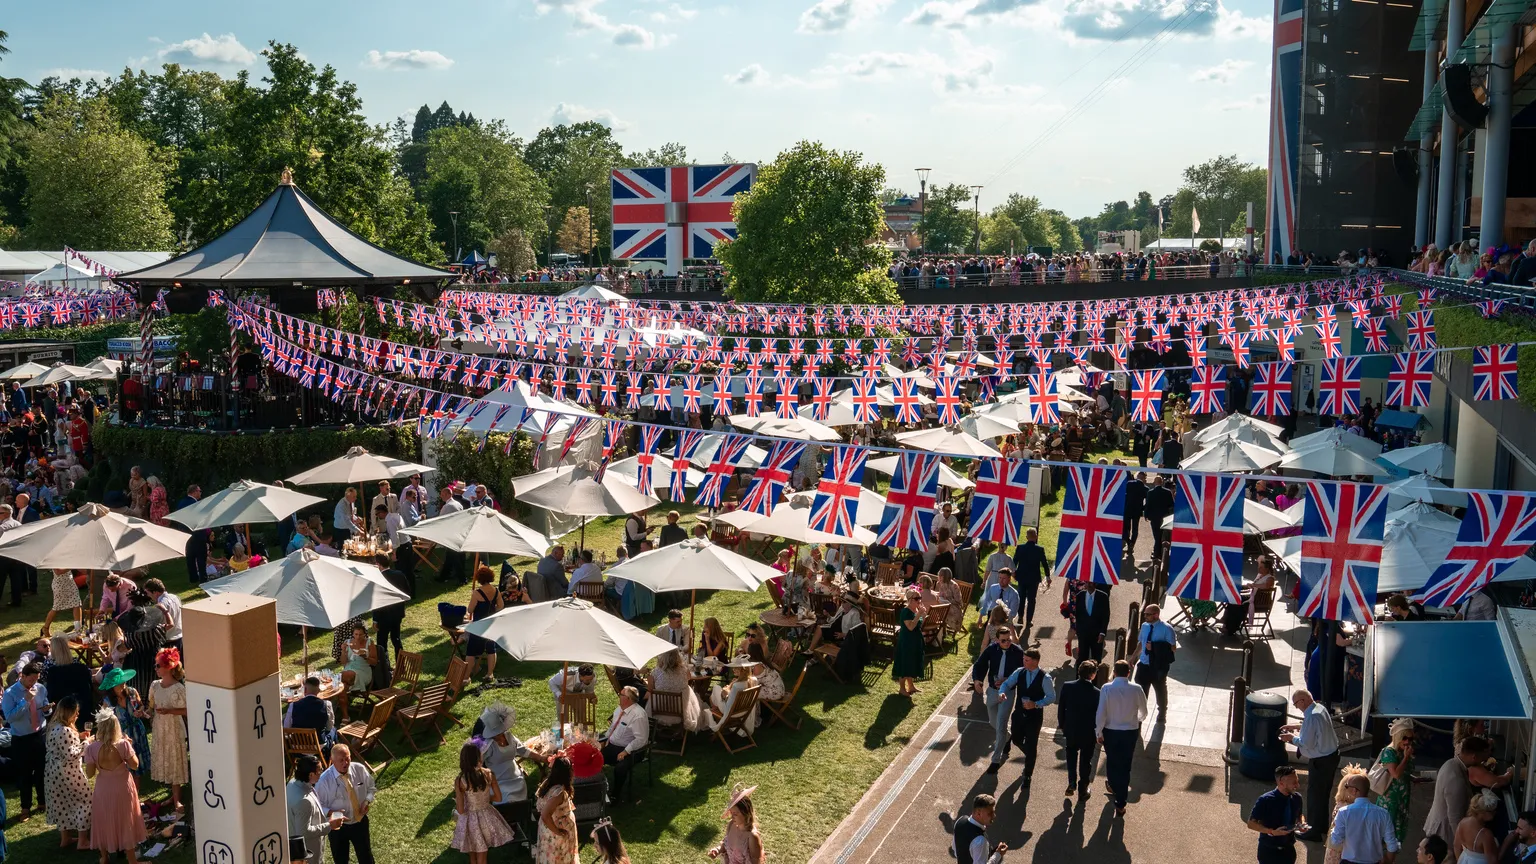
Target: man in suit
<point>1077,707</point>
<point>1090,621</point>
<point>1030,566</point>
<point>1141,443</point>
<point>1032,690</point>
<point>1135,497</point>
<point>1157,509</point>
<point>1000,660</point>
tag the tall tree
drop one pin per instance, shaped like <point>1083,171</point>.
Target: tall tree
<point>667,155</point>
<point>1001,235</point>
<point>575,234</point>
<point>423,126</point>
<point>10,105</point>
<point>1222,188</point>
<point>478,172</point>
<point>1034,222</point>
<point>808,231</point>
<point>514,254</point>
<point>948,223</point>
<point>1068,239</point>
<point>575,161</point>
<point>892,193</point>
<point>93,184</point>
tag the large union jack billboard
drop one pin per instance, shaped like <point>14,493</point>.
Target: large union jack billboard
<point>669,214</point>
<point>1285,126</point>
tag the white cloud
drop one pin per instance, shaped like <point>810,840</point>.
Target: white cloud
<point>957,14</point>
<point>205,50</point>
<point>832,16</point>
<point>568,113</point>
<point>1222,73</point>
<point>674,12</point>
<point>584,16</point>
<point>1256,101</point>
<point>960,72</point>
<point>752,73</point>
<point>1151,19</point>
<point>755,75</point>
<point>415,58</point>
<point>67,73</point>
<point>634,36</point>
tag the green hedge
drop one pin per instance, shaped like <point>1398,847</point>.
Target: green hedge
<point>462,458</point>
<point>1460,326</point>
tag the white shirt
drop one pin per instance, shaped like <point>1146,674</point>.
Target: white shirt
<point>171,605</point>
<point>995,562</point>
<point>557,682</point>
<point>950,522</point>
<point>1122,705</point>
<point>978,850</point>
<point>392,525</point>
<point>629,728</point>
<point>587,571</point>
<point>333,795</point>
<point>346,511</point>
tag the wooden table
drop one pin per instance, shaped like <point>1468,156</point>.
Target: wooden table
<point>887,595</point>
<point>327,692</point>
<point>90,653</point>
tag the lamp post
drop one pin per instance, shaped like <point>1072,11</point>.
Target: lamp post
<point>454,215</point>
<point>922,207</point>
<point>978,218</point>
<point>549,237</point>
<point>591,232</point>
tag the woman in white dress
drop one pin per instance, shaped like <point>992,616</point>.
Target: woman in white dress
<point>723,701</point>
<point>1474,842</point>
<point>671,675</point>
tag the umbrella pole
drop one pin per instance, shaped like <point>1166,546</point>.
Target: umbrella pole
<point>304,647</point>
<point>565,677</point>
<point>248,538</point>
<point>693,597</point>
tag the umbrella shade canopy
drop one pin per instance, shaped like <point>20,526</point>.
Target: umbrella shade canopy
<point>503,411</point>
<point>711,444</point>
<point>694,565</point>
<point>1231,455</point>
<point>314,590</point>
<point>244,502</point>
<point>594,292</point>
<point>988,425</point>
<point>61,372</point>
<point>661,473</point>
<point>791,520</point>
<point>569,631</point>
<point>481,529</point>
<point>1436,460</point>
<point>24,372</point>
<point>1067,394</point>
<point>1411,551</point>
<point>106,364</point>
<point>1333,461</point>
<point>947,476</point>
<point>576,491</point>
<point>1337,437</point>
<point>871,506</point>
<point>1420,513</point>
<point>358,466</point>
<point>783,427</point>
<point>1235,422</point>
<point>1260,518</point>
<point>1422,487</point>
<point>93,538</point>
<point>947,439</point>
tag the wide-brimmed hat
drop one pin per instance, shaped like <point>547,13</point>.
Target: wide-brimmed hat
<point>738,793</point>
<point>115,677</point>
<point>1400,725</point>
<point>497,719</point>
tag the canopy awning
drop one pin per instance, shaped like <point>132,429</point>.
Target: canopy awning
<point>1405,420</point>
<point>1490,681</point>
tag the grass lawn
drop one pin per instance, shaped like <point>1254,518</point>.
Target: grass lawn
<point>808,780</point>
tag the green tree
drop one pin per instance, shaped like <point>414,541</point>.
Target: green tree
<point>892,193</point>
<point>10,106</point>
<point>93,184</point>
<point>478,171</point>
<point>1068,239</point>
<point>1034,222</point>
<point>948,223</point>
<point>514,254</point>
<point>575,232</point>
<point>575,161</point>
<point>669,154</point>
<point>1001,235</point>
<point>1222,188</point>
<point>1179,209</point>
<point>808,232</point>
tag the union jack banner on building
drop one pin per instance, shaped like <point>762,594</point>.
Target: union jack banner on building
<point>1341,542</point>
<point>908,517</point>
<point>835,508</point>
<point>1205,555</point>
<point>727,458</point>
<point>1496,532</point>
<point>1272,389</point>
<point>771,477</point>
<point>1408,383</point>
<point>1208,390</point>
<point>1495,372</point>
<point>675,213</point>
<point>1147,395</point>
<point>1339,385</point>
<point>1089,545</point>
<point>997,502</point>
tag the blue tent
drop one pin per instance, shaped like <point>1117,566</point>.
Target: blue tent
<point>474,259</point>
<point>1446,670</point>
<point>1405,420</point>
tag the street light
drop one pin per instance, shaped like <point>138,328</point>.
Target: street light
<point>922,207</point>
<point>591,229</point>
<point>549,237</point>
<point>978,218</point>
<point>454,215</point>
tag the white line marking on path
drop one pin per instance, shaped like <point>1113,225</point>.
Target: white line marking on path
<point>945,724</point>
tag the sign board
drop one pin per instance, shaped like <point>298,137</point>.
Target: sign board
<point>675,213</point>
<point>1032,500</point>
<point>130,345</point>
<point>236,743</point>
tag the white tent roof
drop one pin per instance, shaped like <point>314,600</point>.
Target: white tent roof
<point>62,272</point>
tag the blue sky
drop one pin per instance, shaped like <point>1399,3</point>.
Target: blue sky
<point>1076,101</point>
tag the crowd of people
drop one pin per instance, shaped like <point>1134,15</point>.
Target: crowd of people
<point>1504,265</point>
<point>943,272</point>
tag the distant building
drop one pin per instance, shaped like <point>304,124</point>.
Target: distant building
<point>901,220</point>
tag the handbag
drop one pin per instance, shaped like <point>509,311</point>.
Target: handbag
<point>1380,777</point>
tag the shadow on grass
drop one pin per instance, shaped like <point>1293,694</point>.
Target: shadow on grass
<point>440,814</point>
<point>892,711</point>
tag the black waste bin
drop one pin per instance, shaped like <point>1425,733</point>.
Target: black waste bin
<point>1262,751</point>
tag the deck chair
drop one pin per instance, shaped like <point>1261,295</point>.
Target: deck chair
<point>783,653</point>
<point>297,741</point>
<point>667,705</point>
<point>423,550</point>
<point>580,708</point>
<point>458,677</point>
<point>1187,616</point>
<point>363,737</point>
<point>404,682</point>
<point>781,707</point>
<point>1258,625</point>
<point>826,655</point>
<point>741,711</point>
<point>613,680</point>
<point>427,710</point>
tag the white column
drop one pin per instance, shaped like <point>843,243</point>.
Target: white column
<point>1445,207</point>
<point>1476,443</point>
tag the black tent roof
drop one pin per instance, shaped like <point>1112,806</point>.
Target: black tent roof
<point>286,241</point>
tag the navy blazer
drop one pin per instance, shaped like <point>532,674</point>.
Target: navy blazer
<point>1014,659</point>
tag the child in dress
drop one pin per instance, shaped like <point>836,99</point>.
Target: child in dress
<point>479,826</point>
<point>742,844</point>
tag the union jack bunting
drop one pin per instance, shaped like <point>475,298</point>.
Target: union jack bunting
<point>720,394</point>
<point>908,516</point>
<point>1420,327</point>
<point>771,477</point>
<point>786,399</point>
<point>835,508</point>
<point>1328,337</point>
<point>1272,390</point>
<point>1341,542</point>
<point>1490,308</point>
<point>752,393</point>
<point>1339,384</point>
<point>1043,396</point>
<point>1205,555</point>
<point>1208,390</point>
<point>1495,533</point>
<point>1089,545</point>
<point>692,389</point>
<point>907,401</point>
<point>1495,372</point>
<point>947,394</point>
<point>727,457</point>
<point>1375,332</point>
<point>1408,383</point>
<point>645,459</point>
<point>866,406</point>
<point>821,398</point>
<point>997,502</point>
<point>688,442</point>
<point>1147,395</point>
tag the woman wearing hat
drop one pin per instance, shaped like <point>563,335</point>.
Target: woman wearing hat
<point>128,708</point>
<point>499,753</point>
<point>742,843</point>
<point>1397,758</point>
<point>168,698</point>
<point>723,701</point>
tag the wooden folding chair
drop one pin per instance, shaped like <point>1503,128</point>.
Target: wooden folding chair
<point>297,741</point>
<point>458,677</point>
<point>882,625</point>
<point>580,709</point>
<point>666,710</point>
<point>404,682</point>
<point>423,550</point>
<point>965,593</point>
<point>781,707</point>
<point>613,680</point>
<point>887,573</point>
<point>427,710</point>
<point>1188,616</point>
<point>1258,625</point>
<point>933,635</point>
<point>783,654</point>
<point>593,592</point>
<point>826,655</point>
<point>363,737</point>
<point>741,711</point>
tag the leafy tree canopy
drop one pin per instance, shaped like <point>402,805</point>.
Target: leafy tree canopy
<point>477,171</point>
<point>948,223</point>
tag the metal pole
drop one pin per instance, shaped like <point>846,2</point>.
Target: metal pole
<point>922,208</point>
<point>454,215</point>
<point>1445,206</point>
<point>1426,145</point>
<point>1248,230</point>
<point>978,218</point>
<point>1501,85</point>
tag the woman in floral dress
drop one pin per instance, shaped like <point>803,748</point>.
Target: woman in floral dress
<point>557,816</point>
<point>479,826</point>
<point>131,714</point>
<point>65,789</point>
<point>1398,759</point>
<point>168,700</point>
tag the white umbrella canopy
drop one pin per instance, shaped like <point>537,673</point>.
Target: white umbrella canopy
<point>947,476</point>
<point>1231,455</point>
<point>871,506</point>
<point>988,425</point>
<point>576,491</point>
<point>947,439</point>
<point>1067,394</point>
<point>791,520</point>
<point>1337,437</point>
<point>783,427</point>
<point>1009,410</point>
<point>1260,518</point>
<point>1334,462</point>
<point>1421,513</point>
<point>661,473</point>
<point>481,530</point>
<point>24,372</point>
<point>594,292</point>
<point>59,373</point>
<point>93,538</point>
<point>358,466</point>
<point>1436,460</point>
<point>694,565</point>
<point>569,631</point>
<point>1246,434</point>
<point>707,448</point>
<point>1422,487</point>
<point>502,411</point>
<point>314,590</point>
<point>1234,422</point>
<point>106,364</point>
<point>244,502</point>
<point>1411,551</point>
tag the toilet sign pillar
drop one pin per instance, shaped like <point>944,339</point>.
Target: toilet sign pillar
<point>235,728</point>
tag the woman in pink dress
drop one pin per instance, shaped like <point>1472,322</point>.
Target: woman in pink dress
<point>479,826</point>
<point>159,507</point>
<point>741,844</point>
<point>116,823</point>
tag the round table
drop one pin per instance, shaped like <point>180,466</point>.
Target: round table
<point>327,691</point>
<point>889,595</point>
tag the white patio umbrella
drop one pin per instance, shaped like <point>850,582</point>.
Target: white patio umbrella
<point>987,425</point>
<point>1067,394</point>
<point>1422,487</point>
<point>1334,462</point>
<point>58,373</point>
<point>947,439</point>
<point>691,566</point>
<point>711,443</point>
<point>1436,460</point>
<point>594,292</point>
<point>480,530</point>
<point>1233,422</point>
<point>947,476</point>
<point>577,491</point>
<point>791,520</point>
<point>1009,409</point>
<point>313,590</point>
<point>244,502</point>
<point>358,466</point>
<point>1260,518</point>
<point>93,538</point>
<point>920,375</point>
<point>1337,437</point>
<point>24,372</point>
<point>1230,455</point>
<point>783,427</point>
<point>871,506</point>
<point>106,364</point>
<point>1421,513</point>
<point>661,472</point>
